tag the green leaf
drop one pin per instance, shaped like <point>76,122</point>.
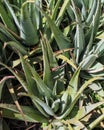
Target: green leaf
<point>17,46</point>
<point>73,84</point>
<point>42,87</point>
<point>96,17</point>
<point>62,11</point>
<point>12,13</point>
<point>31,115</point>
<point>92,11</point>
<point>79,37</point>
<point>32,89</point>
<point>77,96</point>
<point>27,26</point>
<point>47,75</point>
<point>62,41</point>
<point>88,61</point>
<point>44,106</point>
<point>85,110</point>
<point>7,20</point>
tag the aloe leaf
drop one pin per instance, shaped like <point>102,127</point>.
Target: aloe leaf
<point>78,124</point>
<point>55,10</point>
<point>92,11</point>
<point>42,87</point>
<point>73,84</point>
<point>7,20</point>
<point>38,16</point>
<point>31,115</point>
<point>96,17</point>
<point>17,46</point>
<point>62,41</point>
<point>89,46</point>
<point>77,96</point>
<point>85,110</point>
<point>88,61</point>
<point>99,48</point>
<point>79,38</point>
<point>47,75</point>
<point>55,105</point>
<point>27,27</point>
<point>96,68</point>
<point>12,13</point>
<point>97,88</point>
<point>83,9</point>
<point>5,31</point>
<point>70,12</point>
<point>32,10</point>
<point>64,101</point>
<point>44,106</point>
<point>40,109</point>
<point>22,82</point>
<point>30,81</point>
<point>61,13</point>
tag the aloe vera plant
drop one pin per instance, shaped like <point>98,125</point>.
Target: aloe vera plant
<point>55,63</point>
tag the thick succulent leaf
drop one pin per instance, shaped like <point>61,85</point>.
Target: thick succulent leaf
<point>99,48</point>
<point>92,11</point>
<point>97,88</point>
<point>78,124</point>
<point>96,17</point>
<point>85,110</point>
<point>96,68</point>
<point>44,106</point>
<point>47,75</point>
<point>32,89</point>
<point>31,115</point>
<point>38,16</point>
<point>42,87</point>
<point>70,12</point>
<point>62,11</point>
<point>8,21</point>
<point>6,32</point>
<point>27,26</point>
<point>83,10</point>
<point>40,109</point>
<point>79,37</point>
<point>55,10</point>
<point>77,96</point>
<point>56,105</point>
<point>88,61</point>
<point>90,43</point>
<point>17,46</point>
<point>73,84</point>
<point>12,13</point>
<point>62,41</point>
<point>65,100</point>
